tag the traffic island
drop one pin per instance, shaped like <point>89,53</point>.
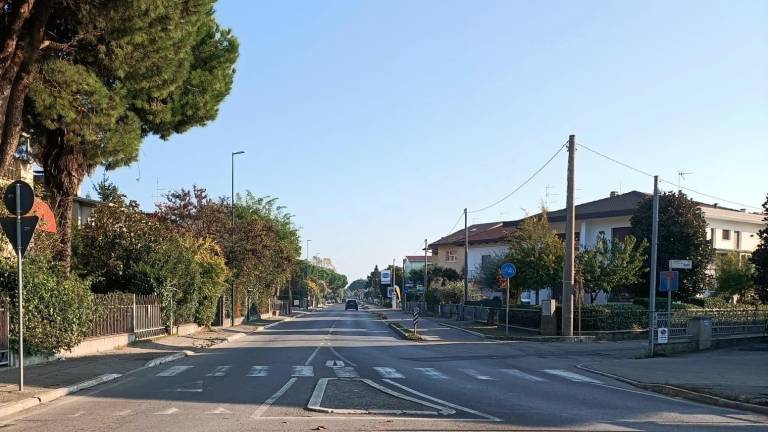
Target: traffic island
<point>403,332</point>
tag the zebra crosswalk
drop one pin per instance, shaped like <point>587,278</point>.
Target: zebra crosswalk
<point>339,369</point>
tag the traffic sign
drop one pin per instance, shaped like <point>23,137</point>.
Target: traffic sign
<point>28,224</point>
<point>508,270</point>
<point>386,277</point>
<point>26,197</point>
<point>662,335</point>
<point>680,264</point>
<point>669,281</point>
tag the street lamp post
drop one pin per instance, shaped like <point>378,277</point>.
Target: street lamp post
<point>232,306</point>
<point>308,240</point>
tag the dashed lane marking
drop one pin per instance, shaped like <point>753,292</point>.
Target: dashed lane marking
<point>303,371</point>
<point>258,371</point>
<point>346,372</point>
<point>477,375</point>
<point>432,373</point>
<point>520,374</point>
<point>219,371</point>
<point>572,376</point>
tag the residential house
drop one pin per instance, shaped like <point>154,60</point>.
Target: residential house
<point>415,263</point>
<point>730,230</point>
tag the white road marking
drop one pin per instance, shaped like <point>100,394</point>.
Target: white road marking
<point>220,410</point>
<point>303,371</point>
<point>346,372</point>
<point>446,403</point>
<point>258,371</point>
<point>571,376</point>
<point>77,414</point>
<point>317,394</point>
<point>168,411</point>
<point>388,372</point>
<point>123,412</point>
<point>520,374</point>
<point>432,373</point>
<point>312,356</point>
<point>475,374</point>
<point>272,399</point>
<point>334,363</point>
<point>442,409</point>
<point>348,361</point>
<point>194,387</point>
<point>173,370</point>
<point>219,371</point>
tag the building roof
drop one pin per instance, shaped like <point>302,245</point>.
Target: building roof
<point>418,258</point>
<point>614,205</point>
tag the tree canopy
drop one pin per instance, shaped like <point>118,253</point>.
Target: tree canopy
<point>760,259</point>
<point>682,235</point>
<point>609,264</point>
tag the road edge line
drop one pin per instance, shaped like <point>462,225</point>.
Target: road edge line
<point>670,390</point>
<point>443,410</point>
<point>317,395</point>
<point>452,405</point>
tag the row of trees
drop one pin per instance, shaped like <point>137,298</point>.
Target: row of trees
<point>317,280</point>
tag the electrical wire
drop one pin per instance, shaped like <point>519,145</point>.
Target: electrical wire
<point>454,225</point>
<point>521,184</point>
<point>625,165</point>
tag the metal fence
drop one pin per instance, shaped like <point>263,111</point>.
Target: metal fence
<point>5,325</point>
<point>119,313</point>
<point>725,322</point>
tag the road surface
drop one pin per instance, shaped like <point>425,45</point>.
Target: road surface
<point>346,370</point>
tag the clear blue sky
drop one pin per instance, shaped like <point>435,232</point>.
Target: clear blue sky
<point>377,122</point>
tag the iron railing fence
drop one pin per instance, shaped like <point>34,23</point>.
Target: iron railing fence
<point>119,313</point>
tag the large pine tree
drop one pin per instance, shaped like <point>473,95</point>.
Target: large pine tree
<point>115,72</point>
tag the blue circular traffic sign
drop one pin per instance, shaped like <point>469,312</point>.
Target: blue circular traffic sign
<point>508,270</point>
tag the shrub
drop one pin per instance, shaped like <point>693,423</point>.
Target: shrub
<point>57,306</point>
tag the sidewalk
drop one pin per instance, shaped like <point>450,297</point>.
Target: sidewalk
<point>737,374</point>
<point>48,381</point>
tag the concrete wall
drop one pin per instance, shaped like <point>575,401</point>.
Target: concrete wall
<point>440,259</point>
<point>100,344</point>
<point>476,255</point>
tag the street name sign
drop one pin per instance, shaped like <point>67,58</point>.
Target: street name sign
<point>680,264</point>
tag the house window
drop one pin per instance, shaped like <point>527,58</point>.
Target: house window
<point>726,234</point>
<point>450,255</point>
<point>620,233</point>
<point>484,260</point>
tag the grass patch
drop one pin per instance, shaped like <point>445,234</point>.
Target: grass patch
<point>409,334</point>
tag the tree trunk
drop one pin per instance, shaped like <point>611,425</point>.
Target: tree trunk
<point>20,48</point>
<point>65,170</point>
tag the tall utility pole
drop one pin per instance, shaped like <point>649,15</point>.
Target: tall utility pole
<point>232,316</point>
<point>425,272</point>
<point>308,240</point>
<point>466,258</point>
<point>570,222</point>
<point>405,296</point>
<point>394,293</point>
<point>654,258</point>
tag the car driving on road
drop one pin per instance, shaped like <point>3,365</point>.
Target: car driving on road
<point>351,304</point>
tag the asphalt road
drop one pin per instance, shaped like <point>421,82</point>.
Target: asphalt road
<point>354,374</point>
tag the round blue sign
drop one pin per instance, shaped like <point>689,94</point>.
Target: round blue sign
<point>508,270</point>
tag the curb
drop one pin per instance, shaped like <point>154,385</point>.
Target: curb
<point>670,390</point>
<point>160,360</point>
<point>397,331</point>
<point>48,396</point>
<point>472,332</point>
<point>523,338</point>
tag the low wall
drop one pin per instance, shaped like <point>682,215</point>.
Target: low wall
<point>98,344</point>
<point>186,329</point>
<point>617,335</point>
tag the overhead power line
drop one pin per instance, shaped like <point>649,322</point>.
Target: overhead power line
<point>505,197</point>
<point>677,185</point>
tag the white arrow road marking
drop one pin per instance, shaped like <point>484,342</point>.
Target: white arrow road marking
<point>220,410</point>
<point>168,411</point>
<point>258,371</point>
<point>432,373</point>
<point>194,387</point>
<point>346,372</point>
<point>334,363</point>
<point>571,376</point>
<point>303,371</point>
<point>272,399</point>
<point>219,371</point>
<point>388,372</point>
<point>173,370</point>
<point>520,374</point>
<point>475,374</point>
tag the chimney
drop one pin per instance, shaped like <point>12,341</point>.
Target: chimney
<point>614,194</point>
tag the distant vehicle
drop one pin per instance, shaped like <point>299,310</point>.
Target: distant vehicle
<point>329,302</point>
<point>351,304</point>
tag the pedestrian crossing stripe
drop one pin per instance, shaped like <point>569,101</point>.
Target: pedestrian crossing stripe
<point>340,370</point>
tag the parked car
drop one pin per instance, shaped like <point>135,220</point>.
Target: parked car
<point>351,304</point>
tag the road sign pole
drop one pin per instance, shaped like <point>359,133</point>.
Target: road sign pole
<point>21,287</point>
<point>654,251</point>
<point>506,322</point>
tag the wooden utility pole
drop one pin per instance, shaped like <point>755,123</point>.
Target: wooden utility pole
<point>570,222</point>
